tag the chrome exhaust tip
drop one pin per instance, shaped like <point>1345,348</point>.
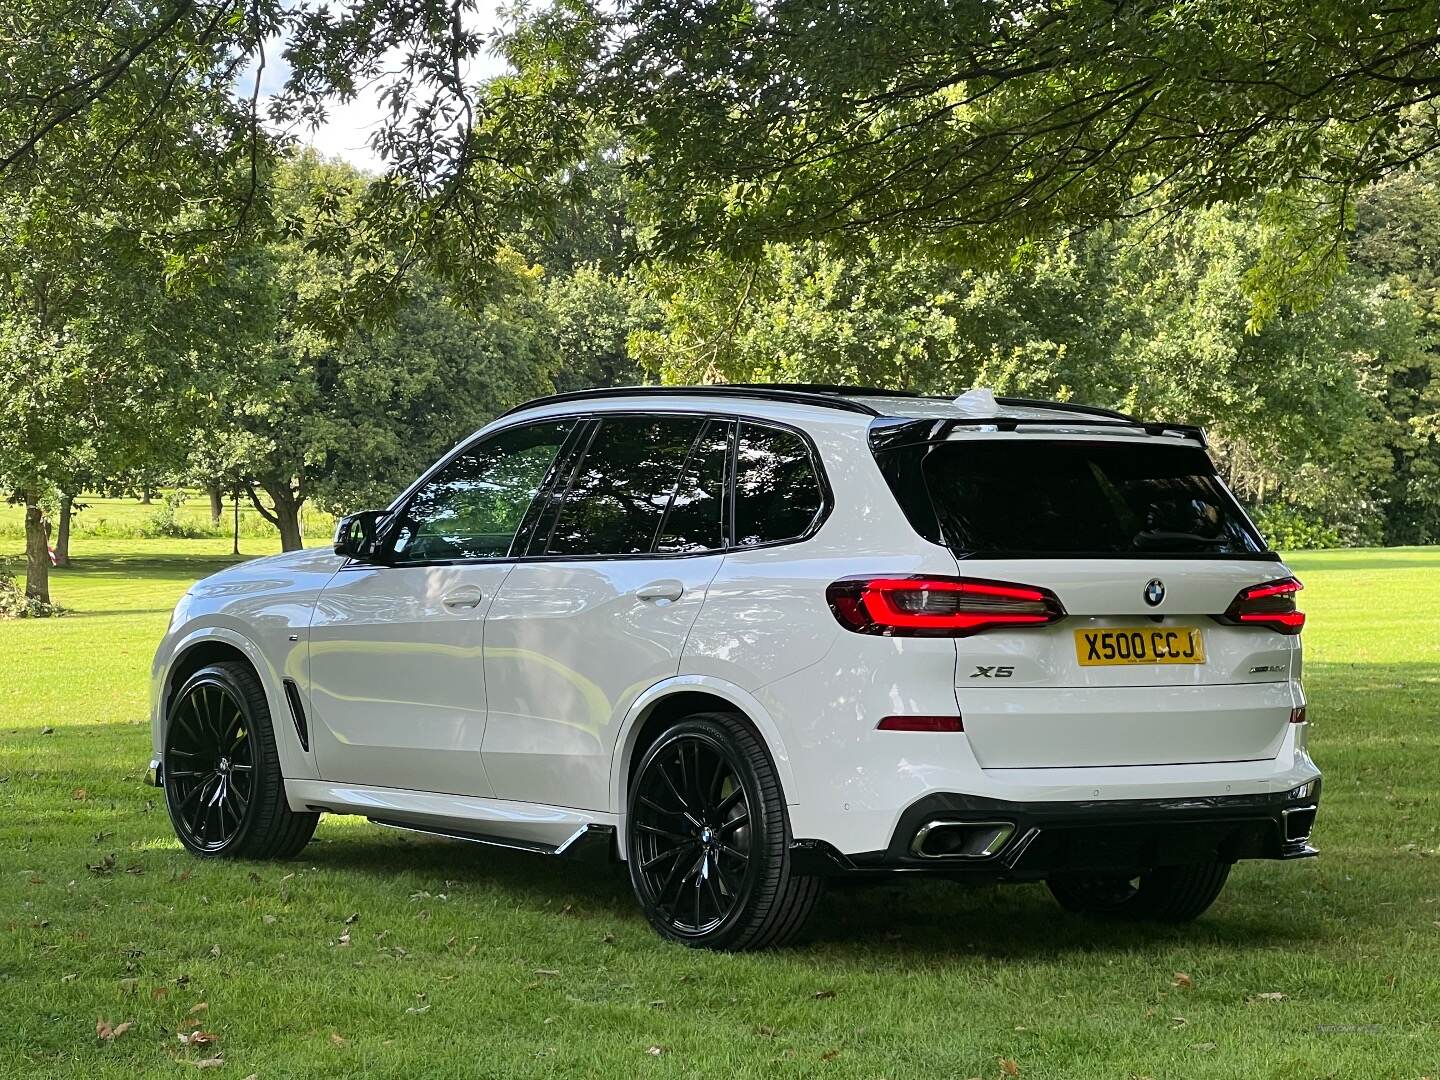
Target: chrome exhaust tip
<point>947,839</point>
<point>1299,823</point>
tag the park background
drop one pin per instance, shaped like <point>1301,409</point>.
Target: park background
<point>1221,212</point>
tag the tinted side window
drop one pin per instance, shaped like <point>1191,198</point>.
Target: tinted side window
<point>695,521</point>
<point>623,486</point>
<point>472,508</point>
<point>777,494</point>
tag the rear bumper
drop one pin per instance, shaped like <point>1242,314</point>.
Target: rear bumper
<point>966,836</point>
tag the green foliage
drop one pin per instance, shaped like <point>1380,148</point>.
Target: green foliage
<point>14,604</point>
<point>1287,528</point>
<point>166,522</point>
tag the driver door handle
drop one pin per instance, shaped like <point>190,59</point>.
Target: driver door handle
<point>466,596</point>
<point>660,590</point>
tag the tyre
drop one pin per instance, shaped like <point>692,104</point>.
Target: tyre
<point>223,786</point>
<point>1165,894</point>
<point>708,839</point>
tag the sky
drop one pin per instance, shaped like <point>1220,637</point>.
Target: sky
<point>349,124</point>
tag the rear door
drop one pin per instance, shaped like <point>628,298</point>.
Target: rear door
<point>601,607</point>
<point>1146,551</point>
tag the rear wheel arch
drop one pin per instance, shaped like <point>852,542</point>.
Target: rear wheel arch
<point>665,705</point>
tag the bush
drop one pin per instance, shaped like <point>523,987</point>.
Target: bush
<point>166,522</point>
<point>14,604</point>
<point>1288,528</point>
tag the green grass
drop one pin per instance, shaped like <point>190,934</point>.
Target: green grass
<point>130,519</point>
<point>465,961</point>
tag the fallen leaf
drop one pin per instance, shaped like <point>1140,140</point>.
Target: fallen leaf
<point>1203,1048</point>
<point>337,1038</point>
<point>159,993</point>
<point>129,986</point>
<point>47,730</point>
<point>766,1030</point>
<point>104,866</point>
<point>269,920</point>
<point>255,878</point>
<point>658,1004</point>
<point>110,1032</point>
<point>198,1007</point>
<point>823,995</point>
<point>655,1051</point>
<point>80,794</point>
<point>417,1010</point>
<point>1009,1066</point>
<point>344,941</point>
<point>198,1038</point>
<point>1273,995</point>
<point>1183,981</point>
<point>68,978</point>
<point>353,919</point>
<point>548,972</point>
<point>1179,1021</point>
<point>607,939</point>
<point>829,1055</point>
<point>215,951</point>
<point>210,1062</point>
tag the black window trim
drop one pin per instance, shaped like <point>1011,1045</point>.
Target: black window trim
<point>567,461</point>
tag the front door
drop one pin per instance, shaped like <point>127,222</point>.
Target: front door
<point>618,569</point>
<point>397,676</point>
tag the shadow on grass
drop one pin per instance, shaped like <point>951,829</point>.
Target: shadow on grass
<point>907,923</point>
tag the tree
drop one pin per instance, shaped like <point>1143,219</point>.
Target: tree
<point>345,420</point>
<point>1150,318</point>
<point>970,128</point>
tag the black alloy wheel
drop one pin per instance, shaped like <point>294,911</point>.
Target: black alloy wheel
<point>209,765</point>
<point>708,839</point>
<point>221,768</point>
<point>693,824</point>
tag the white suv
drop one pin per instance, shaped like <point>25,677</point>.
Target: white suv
<point>749,637</point>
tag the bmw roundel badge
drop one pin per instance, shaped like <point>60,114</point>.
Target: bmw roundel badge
<point>1154,591</point>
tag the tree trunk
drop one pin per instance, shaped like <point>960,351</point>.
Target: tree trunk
<point>217,501</point>
<point>145,497</point>
<point>62,534</point>
<point>285,516</point>
<point>37,552</point>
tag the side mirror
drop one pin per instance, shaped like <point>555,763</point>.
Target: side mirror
<point>356,535</point>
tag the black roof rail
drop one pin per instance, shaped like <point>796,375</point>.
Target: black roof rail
<point>842,389</point>
<point>798,394</point>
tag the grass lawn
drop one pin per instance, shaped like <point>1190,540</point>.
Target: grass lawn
<point>383,954</point>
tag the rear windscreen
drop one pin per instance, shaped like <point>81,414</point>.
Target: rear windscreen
<point>1037,497</point>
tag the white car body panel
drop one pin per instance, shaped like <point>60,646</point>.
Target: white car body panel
<point>518,717</point>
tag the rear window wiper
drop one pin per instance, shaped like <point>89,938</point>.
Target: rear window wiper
<point>1157,538</point>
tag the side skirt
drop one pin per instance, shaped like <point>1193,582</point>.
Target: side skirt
<point>548,830</point>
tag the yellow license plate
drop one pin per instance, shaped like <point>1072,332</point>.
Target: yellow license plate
<point>1139,645</point>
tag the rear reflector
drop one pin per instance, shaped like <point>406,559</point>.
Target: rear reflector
<point>921,723</point>
<point>938,606</point>
<point>1271,604</point>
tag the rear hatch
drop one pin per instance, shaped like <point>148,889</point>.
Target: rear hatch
<point>1146,551</point>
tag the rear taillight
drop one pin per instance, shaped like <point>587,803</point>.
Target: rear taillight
<point>938,606</point>
<point>1271,604</point>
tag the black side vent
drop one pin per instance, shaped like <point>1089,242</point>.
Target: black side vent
<point>297,713</point>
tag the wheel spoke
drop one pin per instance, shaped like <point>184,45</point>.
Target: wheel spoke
<point>666,833</point>
<point>716,899</point>
<point>668,853</point>
<point>726,849</point>
<point>728,827</point>
<point>730,800</point>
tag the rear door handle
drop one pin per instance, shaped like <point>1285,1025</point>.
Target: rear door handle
<point>465,597</point>
<point>660,590</point>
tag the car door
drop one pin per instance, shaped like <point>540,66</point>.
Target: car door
<point>397,675</point>
<point>618,569</point>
